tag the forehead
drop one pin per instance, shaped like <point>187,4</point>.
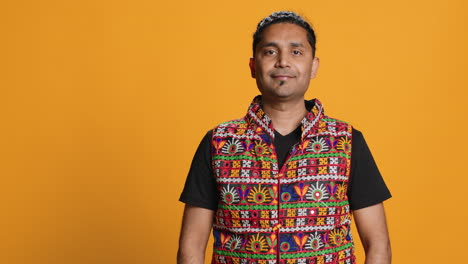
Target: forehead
<point>285,33</point>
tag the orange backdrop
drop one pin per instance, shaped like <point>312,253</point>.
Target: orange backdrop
<point>103,104</point>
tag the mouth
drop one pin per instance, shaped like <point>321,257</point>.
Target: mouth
<point>282,77</point>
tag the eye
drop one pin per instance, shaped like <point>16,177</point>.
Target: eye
<point>297,52</point>
<point>270,52</point>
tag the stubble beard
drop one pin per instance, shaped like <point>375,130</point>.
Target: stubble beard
<point>279,91</point>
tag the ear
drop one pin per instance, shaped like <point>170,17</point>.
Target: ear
<point>315,66</point>
<point>252,67</point>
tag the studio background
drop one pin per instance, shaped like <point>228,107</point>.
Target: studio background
<point>103,103</point>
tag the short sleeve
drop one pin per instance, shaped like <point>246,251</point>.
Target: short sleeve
<point>366,185</point>
<point>200,186</point>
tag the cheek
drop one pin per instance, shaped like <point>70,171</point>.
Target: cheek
<point>263,74</point>
<point>306,71</point>
<point>264,66</point>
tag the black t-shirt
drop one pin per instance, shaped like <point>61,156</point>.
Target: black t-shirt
<point>366,186</point>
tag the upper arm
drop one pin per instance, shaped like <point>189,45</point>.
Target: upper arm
<point>366,185</point>
<point>195,231</point>
<point>372,226</point>
<point>200,187</point>
<point>200,196</point>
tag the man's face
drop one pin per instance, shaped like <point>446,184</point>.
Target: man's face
<point>283,63</point>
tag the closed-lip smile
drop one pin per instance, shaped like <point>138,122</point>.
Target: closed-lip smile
<point>282,76</point>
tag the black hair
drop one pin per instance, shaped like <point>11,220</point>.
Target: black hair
<point>283,17</point>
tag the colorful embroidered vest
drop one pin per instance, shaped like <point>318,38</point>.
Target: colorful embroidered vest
<point>295,214</point>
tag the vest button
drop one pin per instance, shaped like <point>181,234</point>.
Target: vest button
<point>279,175</point>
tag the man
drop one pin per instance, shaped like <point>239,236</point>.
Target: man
<point>280,184</point>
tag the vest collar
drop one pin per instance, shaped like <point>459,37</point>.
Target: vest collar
<point>256,116</point>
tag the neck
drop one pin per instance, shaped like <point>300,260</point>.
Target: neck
<point>285,116</point>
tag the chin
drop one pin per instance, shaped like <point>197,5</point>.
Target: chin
<point>281,95</point>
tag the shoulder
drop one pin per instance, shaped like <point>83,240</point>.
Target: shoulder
<point>357,133</point>
<point>231,123</point>
<point>230,126</point>
<point>357,138</point>
<point>330,119</point>
<point>337,125</point>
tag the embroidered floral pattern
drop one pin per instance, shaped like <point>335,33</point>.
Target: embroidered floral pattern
<point>266,212</point>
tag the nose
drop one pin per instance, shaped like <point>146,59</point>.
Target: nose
<point>282,60</point>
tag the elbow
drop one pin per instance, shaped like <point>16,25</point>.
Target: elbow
<point>387,252</point>
<point>179,256</point>
<point>183,257</point>
<point>380,252</point>
<point>189,255</point>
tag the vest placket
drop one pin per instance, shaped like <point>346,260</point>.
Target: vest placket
<point>280,174</point>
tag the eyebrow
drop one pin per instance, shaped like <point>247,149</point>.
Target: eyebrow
<point>297,44</point>
<point>274,44</point>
